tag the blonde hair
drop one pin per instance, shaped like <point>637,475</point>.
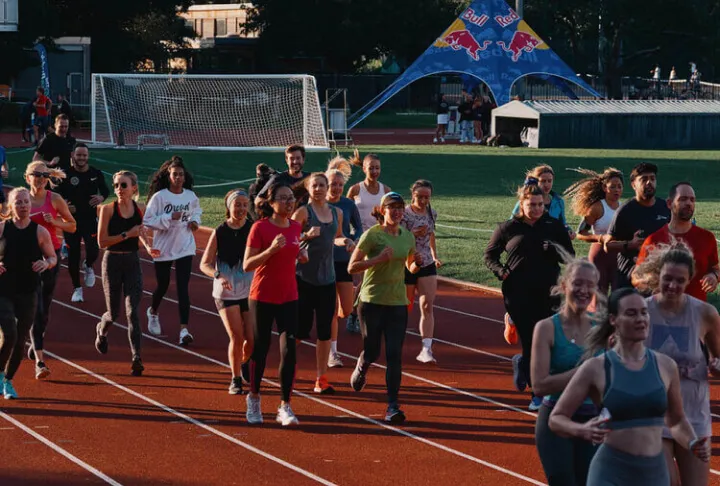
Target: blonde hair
<point>339,166</point>
<point>586,192</point>
<point>133,179</point>
<point>646,276</point>
<point>55,174</point>
<point>572,265</point>
<point>12,195</point>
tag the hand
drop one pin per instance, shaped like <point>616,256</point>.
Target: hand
<point>314,232</point>
<point>2,268</point>
<point>700,448</point>
<point>134,232</point>
<point>71,208</point>
<point>55,161</point>
<point>418,259</point>
<point>438,263</point>
<point>546,245</point>
<point>709,283</point>
<point>349,245</point>
<point>278,243</point>
<point>193,226</point>
<point>96,199</point>
<point>385,255</point>
<point>154,252</point>
<point>225,284</point>
<point>604,240</point>
<point>595,430</point>
<point>176,215</point>
<point>303,256</point>
<point>420,231</point>
<point>505,274</point>
<point>637,240</point>
<point>48,217</point>
<point>572,234</point>
<point>40,266</point>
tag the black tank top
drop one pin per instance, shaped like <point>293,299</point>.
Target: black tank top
<point>117,225</point>
<point>21,250</point>
<point>231,242</point>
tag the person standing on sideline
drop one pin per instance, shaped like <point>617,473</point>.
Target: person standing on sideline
<point>83,188</point>
<point>173,213</point>
<point>442,110</point>
<point>49,210</point>
<point>119,232</point>
<point>28,251</point>
<point>465,110</point>
<point>4,174</point>
<point>383,253</point>
<point>223,262</point>
<point>56,148</point>
<point>634,221</point>
<point>42,105</point>
<point>531,269</point>
<point>419,219</point>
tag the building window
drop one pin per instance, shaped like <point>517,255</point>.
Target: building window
<point>220,27</point>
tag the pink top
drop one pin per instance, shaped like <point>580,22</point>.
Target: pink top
<point>36,216</point>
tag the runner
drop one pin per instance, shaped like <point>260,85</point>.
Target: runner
<point>173,212</point>
<point>28,251</point>
<point>679,323</point>
<point>420,220</point>
<point>383,252</point>
<point>119,232</point>
<point>338,173</point>
<point>50,211</point>
<point>531,269</point>
<point>640,390</point>
<point>273,248</point>
<point>595,199</point>
<point>294,177</point>
<point>557,349</point>
<point>222,261</point>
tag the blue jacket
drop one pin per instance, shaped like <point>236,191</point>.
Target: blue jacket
<point>557,208</point>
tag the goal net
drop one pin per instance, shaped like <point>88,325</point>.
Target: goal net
<point>204,111</point>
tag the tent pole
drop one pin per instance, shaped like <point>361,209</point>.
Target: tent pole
<point>519,4</point>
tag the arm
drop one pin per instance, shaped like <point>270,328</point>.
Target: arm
<point>254,257</point>
<point>543,382</point>
<point>711,324</point>
<point>387,188</point>
<point>493,251</point>
<point>65,222</point>
<point>340,239</point>
<point>46,246</point>
<point>207,264</point>
<point>563,238</point>
<point>352,192</point>
<point>709,281</point>
<point>102,186</point>
<point>580,386</point>
<point>195,211</point>
<point>154,217</point>
<point>675,419</point>
<point>356,223</point>
<point>595,213</point>
<point>105,240</point>
<point>358,262</point>
<point>433,250</point>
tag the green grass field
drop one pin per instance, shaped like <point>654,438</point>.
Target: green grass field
<point>473,185</point>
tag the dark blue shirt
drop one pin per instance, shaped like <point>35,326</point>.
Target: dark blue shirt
<point>351,218</point>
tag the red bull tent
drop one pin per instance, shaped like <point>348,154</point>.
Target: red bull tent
<point>491,42</point>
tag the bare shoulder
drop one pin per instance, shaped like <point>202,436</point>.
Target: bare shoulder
<point>545,329</point>
<point>666,365</point>
<point>354,189</point>
<point>387,188</point>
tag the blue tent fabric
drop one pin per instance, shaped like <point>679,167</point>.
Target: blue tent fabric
<point>490,42</point>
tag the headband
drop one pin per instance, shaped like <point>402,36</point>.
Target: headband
<point>531,181</point>
<point>234,196</point>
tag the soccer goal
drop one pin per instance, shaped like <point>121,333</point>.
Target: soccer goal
<point>212,112</point>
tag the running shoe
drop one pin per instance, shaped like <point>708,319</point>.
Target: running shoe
<point>89,276</point>
<point>236,386</point>
<point>323,387</point>
<point>101,342</point>
<point>426,356</point>
<point>8,390</point>
<point>518,376</point>
<point>353,324</point>
<point>245,372</point>
<point>137,366</point>
<point>77,295</point>
<point>185,336</point>
<point>41,371</point>
<point>253,413</point>
<point>535,403</point>
<point>153,323</point>
<point>358,378</point>
<point>510,333</point>
<point>285,415</point>
<point>334,361</point>
<point>356,325</point>
<point>394,415</point>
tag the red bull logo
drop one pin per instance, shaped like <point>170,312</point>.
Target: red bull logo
<point>524,40</point>
<point>462,39</point>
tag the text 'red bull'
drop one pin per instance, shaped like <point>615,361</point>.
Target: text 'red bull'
<point>462,39</point>
<point>520,42</point>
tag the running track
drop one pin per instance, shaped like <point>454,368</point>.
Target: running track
<point>92,422</point>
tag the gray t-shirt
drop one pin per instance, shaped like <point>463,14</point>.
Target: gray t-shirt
<point>320,268</point>
<point>412,221</point>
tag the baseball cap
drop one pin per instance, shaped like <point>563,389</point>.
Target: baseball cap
<point>391,198</point>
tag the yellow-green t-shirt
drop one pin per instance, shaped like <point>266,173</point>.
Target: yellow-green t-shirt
<point>384,283</point>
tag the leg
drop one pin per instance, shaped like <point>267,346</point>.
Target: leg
<point>669,451</point>
<point>132,288</point>
<point>249,324</point>
<point>183,268</point>
<point>162,275</point>
<point>46,290</point>
<point>394,325</point>
<point>556,453</point>
<point>427,288</point>
<point>89,236</point>
<point>306,309</point>
<point>371,330</point>
<point>287,323</point>
<point>262,333</point>
<point>410,292</point>
<point>72,241</point>
<point>25,308</point>
<point>324,311</point>
<point>235,328</point>
<point>112,277</point>
<point>693,471</point>
<point>8,333</point>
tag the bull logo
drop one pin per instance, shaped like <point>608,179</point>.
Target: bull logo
<point>462,39</point>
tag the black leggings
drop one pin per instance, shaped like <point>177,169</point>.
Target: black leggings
<point>286,318</point>
<point>16,318</point>
<point>391,321</point>
<point>45,293</point>
<point>183,266</point>
<point>87,232</point>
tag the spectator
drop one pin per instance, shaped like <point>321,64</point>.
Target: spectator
<point>26,121</point>
<point>55,149</point>
<point>4,172</point>
<point>443,110</point>
<point>466,119</point>
<point>42,105</point>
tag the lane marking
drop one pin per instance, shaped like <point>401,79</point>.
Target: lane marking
<point>466,348</point>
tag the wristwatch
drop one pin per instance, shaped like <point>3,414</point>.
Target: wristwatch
<point>124,235</point>
<point>216,274</point>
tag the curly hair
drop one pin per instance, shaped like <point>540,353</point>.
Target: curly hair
<point>586,192</point>
<point>646,275</point>
<point>161,178</point>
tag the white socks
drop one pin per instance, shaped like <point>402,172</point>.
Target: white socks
<point>427,343</point>
<point>333,347</point>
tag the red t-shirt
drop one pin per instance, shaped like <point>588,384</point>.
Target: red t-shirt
<point>703,245</point>
<point>274,281</point>
<point>41,108</point>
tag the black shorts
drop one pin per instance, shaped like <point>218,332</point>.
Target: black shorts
<point>427,271</point>
<point>224,304</point>
<point>316,303</point>
<point>341,272</point>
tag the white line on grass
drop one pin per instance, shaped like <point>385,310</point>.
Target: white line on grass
<point>479,230</point>
<point>150,169</point>
<point>60,450</point>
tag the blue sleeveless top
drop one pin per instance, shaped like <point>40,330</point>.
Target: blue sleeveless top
<point>634,398</point>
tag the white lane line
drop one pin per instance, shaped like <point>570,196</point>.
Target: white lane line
<point>60,450</point>
<point>468,314</point>
<point>328,404</point>
<point>466,348</point>
<point>191,420</point>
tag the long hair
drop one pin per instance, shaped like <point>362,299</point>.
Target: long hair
<point>589,190</point>
<point>599,336</point>
<point>264,209</point>
<point>161,178</point>
<point>646,276</point>
<point>356,161</point>
<point>56,175</point>
<point>427,184</point>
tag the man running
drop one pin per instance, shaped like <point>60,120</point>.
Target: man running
<point>56,148</point>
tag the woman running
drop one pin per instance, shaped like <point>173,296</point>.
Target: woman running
<point>596,199</point>
<point>223,261</point>
<point>420,220</point>
<point>383,253</point>
<point>531,269</point>
<point>173,212</point>
<point>317,297</point>
<point>273,248</point>
<point>119,232</point>
<point>338,173</point>
<point>50,211</point>
<point>557,350</point>
<point>679,324</point>
<point>640,390</point>
<point>367,195</point>
<point>28,251</point>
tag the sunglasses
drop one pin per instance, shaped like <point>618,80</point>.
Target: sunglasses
<point>122,185</point>
<point>46,175</point>
<point>285,199</point>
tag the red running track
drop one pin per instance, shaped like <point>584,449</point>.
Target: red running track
<point>91,422</point>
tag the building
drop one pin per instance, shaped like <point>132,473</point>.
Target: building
<point>8,15</point>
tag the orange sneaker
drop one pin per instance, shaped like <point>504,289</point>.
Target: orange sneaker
<point>510,331</point>
<point>323,387</point>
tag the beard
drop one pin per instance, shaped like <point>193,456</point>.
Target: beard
<point>686,214</point>
<point>648,192</point>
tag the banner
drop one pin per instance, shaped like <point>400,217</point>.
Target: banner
<point>44,70</point>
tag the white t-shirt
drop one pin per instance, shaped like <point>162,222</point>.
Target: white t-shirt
<point>173,238</point>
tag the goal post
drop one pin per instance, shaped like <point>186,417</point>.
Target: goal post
<point>209,112</point>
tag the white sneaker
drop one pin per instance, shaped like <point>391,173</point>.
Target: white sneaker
<point>442,139</point>
<point>285,416</point>
<point>426,356</point>
<point>185,336</point>
<point>77,295</point>
<point>89,277</point>
<point>253,414</point>
<point>153,323</point>
<point>334,361</point>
